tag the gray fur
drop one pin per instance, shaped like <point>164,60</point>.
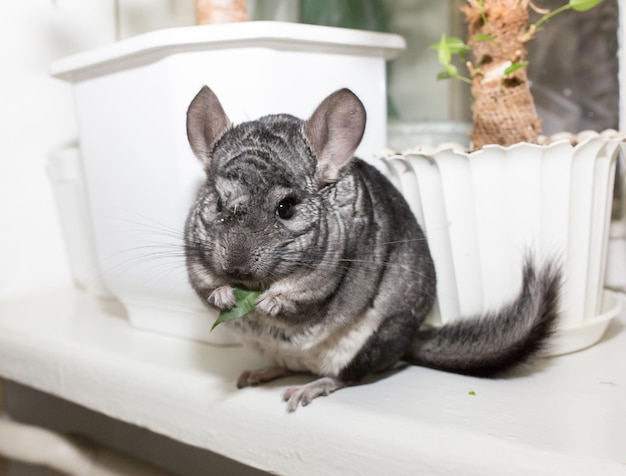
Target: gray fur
<point>348,279</point>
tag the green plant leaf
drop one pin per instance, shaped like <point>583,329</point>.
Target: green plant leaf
<point>452,71</point>
<point>443,51</point>
<point>457,46</point>
<point>449,46</point>
<point>514,67</point>
<point>583,5</point>
<point>446,47</point>
<point>245,303</point>
<point>484,37</point>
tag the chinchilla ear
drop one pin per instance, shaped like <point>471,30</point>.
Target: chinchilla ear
<point>206,122</point>
<point>334,131</point>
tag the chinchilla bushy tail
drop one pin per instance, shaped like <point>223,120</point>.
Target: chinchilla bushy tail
<point>496,342</point>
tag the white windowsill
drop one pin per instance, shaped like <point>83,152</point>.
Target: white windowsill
<point>568,417</point>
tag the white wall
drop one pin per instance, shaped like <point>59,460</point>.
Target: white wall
<point>37,117</point>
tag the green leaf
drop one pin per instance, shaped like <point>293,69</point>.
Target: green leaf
<point>583,5</point>
<point>472,393</point>
<point>484,37</point>
<point>453,44</point>
<point>446,47</point>
<point>514,67</point>
<point>452,71</point>
<point>457,46</point>
<point>443,52</point>
<point>245,302</point>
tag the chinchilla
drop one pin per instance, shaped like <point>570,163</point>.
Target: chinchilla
<point>345,272</point>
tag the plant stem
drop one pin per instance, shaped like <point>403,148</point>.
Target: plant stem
<point>549,16</point>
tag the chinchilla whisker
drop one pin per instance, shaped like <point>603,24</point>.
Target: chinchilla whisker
<point>397,242</point>
<point>153,253</point>
<point>148,249</point>
<point>154,267</point>
<point>383,244</point>
<point>346,263</point>
<point>150,222</point>
<point>142,225</point>
<point>322,256</point>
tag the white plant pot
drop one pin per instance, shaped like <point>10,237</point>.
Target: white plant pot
<point>484,212</point>
<point>65,173</point>
<point>141,177</point>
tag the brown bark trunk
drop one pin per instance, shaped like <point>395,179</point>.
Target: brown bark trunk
<point>503,108</point>
<point>221,11</point>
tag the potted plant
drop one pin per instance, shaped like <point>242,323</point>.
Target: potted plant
<point>503,111</point>
<point>516,193</point>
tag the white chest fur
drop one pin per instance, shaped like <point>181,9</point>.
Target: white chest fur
<point>323,349</point>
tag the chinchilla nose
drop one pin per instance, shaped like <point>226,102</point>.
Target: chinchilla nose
<point>238,264</point>
<point>239,272</point>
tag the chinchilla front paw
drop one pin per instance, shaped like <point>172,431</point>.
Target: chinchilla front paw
<point>274,304</point>
<point>222,298</point>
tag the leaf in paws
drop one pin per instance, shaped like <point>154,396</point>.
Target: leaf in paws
<point>244,304</point>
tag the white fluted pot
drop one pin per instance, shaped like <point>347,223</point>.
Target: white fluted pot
<point>484,212</point>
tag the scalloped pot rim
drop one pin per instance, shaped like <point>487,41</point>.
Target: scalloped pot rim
<point>555,140</point>
<point>574,140</point>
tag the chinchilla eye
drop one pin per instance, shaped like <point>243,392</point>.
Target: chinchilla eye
<point>285,209</point>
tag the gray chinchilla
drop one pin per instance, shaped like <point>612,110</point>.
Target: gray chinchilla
<point>345,272</point>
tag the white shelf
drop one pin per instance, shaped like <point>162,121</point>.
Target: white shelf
<point>568,417</point>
